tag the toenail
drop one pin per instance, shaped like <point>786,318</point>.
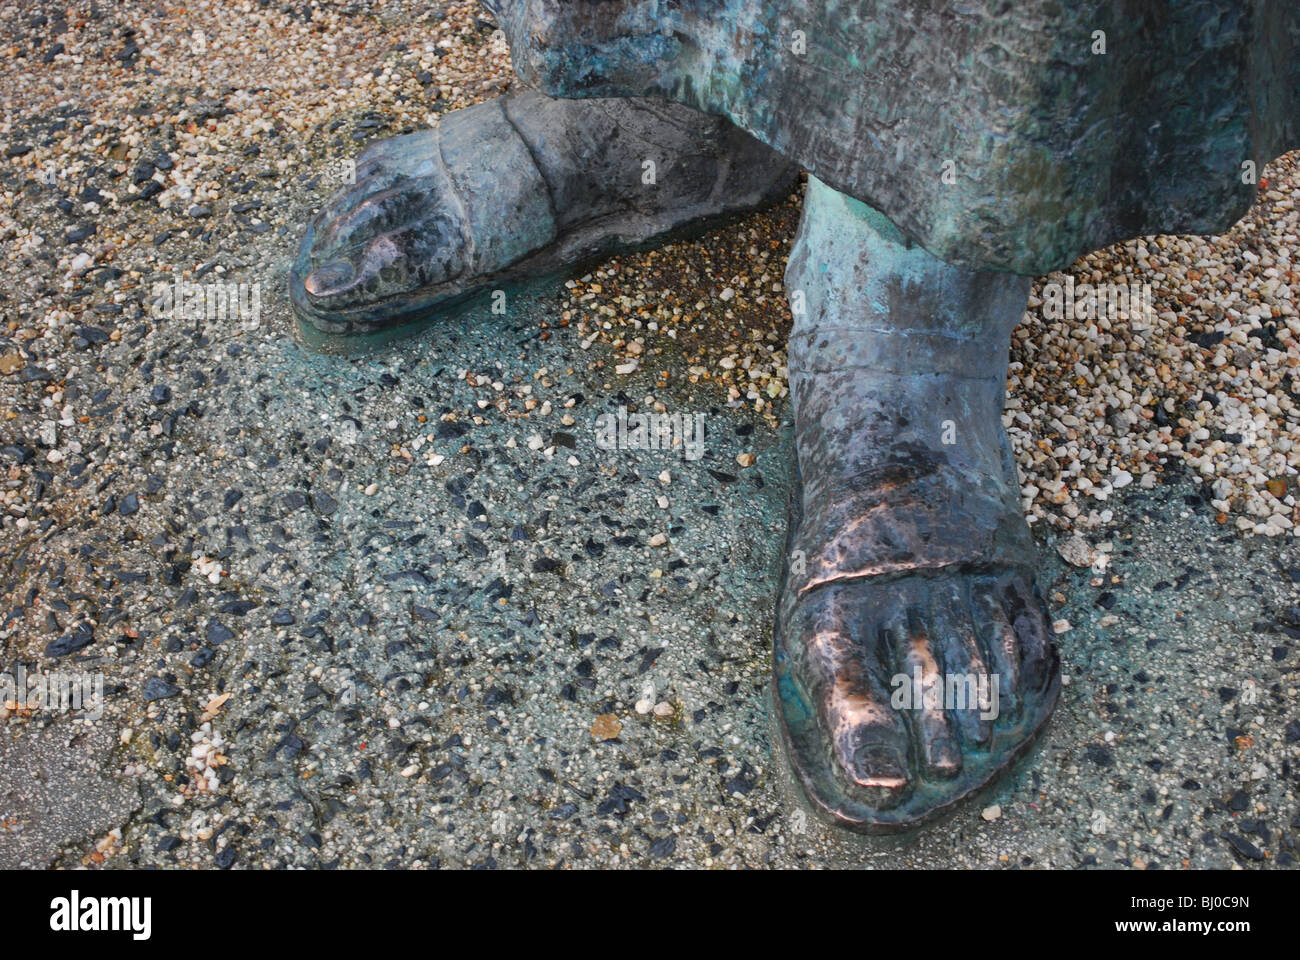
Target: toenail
<point>943,754</point>
<point>879,766</point>
<point>329,278</point>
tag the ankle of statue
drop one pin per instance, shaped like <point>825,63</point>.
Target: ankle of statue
<point>899,352</point>
<point>854,273</point>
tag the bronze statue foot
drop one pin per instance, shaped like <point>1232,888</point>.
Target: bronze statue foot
<point>900,697</point>
<point>913,657</point>
<point>523,185</point>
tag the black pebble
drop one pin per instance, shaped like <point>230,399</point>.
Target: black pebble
<point>156,688</point>
<point>1100,755</point>
<point>76,640</point>
<point>1243,847</point>
<point>663,847</point>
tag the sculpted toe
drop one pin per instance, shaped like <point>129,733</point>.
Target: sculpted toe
<point>330,279</point>
<point>889,733</point>
<point>879,766</point>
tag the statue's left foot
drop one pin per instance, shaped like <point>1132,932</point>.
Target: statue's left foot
<point>901,695</point>
<point>913,656</point>
<point>523,185</point>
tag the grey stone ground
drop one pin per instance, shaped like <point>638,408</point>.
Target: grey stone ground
<point>414,672</point>
<point>415,653</point>
<point>54,788</point>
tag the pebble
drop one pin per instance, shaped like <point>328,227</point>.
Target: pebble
<point>156,688</point>
<point>606,727</point>
<point>1076,551</point>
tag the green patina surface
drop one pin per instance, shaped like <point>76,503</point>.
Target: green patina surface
<point>1052,147</point>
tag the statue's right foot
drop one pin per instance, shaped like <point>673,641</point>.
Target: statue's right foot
<point>518,186</point>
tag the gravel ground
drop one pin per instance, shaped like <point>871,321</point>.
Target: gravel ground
<point>400,608</point>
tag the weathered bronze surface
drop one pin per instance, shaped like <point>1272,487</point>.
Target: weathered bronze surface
<point>1053,148</point>
<point>956,148</point>
<point>519,186</point>
<point>907,546</point>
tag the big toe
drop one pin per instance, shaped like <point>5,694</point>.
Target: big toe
<point>869,744</point>
<point>876,762</point>
<point>330,279</point>
<point>409,154</point>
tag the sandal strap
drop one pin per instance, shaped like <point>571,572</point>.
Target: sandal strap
<point>898,521</point>
<point>528,208</point>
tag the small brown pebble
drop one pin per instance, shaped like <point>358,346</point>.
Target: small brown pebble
<point>606,727</point>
